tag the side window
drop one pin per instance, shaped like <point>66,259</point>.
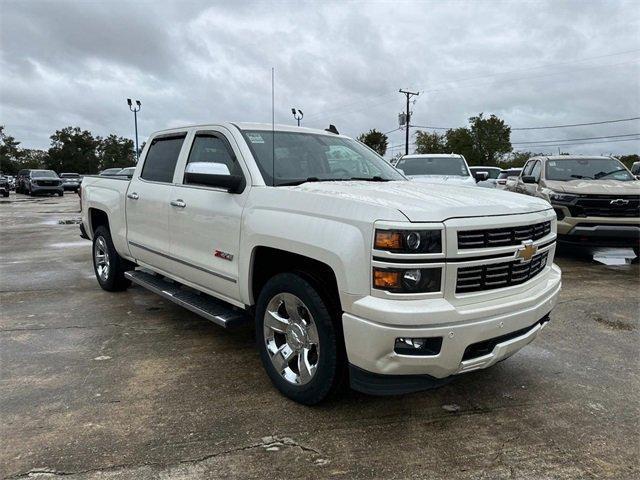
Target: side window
<point>209,148</point>
<point>527,168</point>
<point>161,159</point>
<point>535,172</point>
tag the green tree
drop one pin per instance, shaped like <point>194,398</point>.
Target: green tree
<point>491,138</point>
<point>459,140</point>
<point>115,151</point>
<point>375,140</point>
<point>427,142</point>
<point>73,150</point>
<point>629,160</point>
<point>9,153</point>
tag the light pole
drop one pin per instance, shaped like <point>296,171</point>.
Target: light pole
<point>135,109</point>
<point>298,116</point>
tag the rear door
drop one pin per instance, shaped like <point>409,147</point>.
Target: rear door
<point>147,202</point>
<point>205,221</point>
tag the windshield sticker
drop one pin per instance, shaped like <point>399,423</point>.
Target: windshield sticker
<point>255,138</point>
<point>552,164</point>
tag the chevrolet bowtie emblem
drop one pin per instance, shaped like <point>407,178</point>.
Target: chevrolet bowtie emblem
<point>526,251</point>
<point>619,202</point>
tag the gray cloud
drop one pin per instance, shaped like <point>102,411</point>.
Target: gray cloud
<point>532,63</point>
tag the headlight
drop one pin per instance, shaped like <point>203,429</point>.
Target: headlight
<point>561,197</point>
<point>408,241</point>
<point>409,280</point>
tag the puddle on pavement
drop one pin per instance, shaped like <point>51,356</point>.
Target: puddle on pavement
<point>614,256</point>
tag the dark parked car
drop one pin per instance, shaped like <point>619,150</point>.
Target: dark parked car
<point>21,180</point>
<point>4,186</point>
<point>42,181</point>
<point>71,181</point>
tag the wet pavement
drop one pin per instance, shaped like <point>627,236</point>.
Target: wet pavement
<point>96,385</point>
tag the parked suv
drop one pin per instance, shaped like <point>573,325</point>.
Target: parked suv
<point>4,186</point>
<point>42,181</point>
<point>71,181</point>
<point>596,199</point>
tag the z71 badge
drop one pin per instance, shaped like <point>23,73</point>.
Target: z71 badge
<point>223,255</point>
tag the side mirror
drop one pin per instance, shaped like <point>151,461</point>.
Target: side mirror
<point>481,176</point>
<point>529,179</point>
<point>638,177</point>
<point>212,175</point>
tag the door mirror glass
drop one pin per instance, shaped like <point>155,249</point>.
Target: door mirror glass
<point>528,179</point>
<point>212,175</point>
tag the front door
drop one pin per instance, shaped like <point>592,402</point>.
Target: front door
<point>205,221</point>
<point>147,203</point>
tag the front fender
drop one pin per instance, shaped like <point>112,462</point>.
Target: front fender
<point>342,246</point>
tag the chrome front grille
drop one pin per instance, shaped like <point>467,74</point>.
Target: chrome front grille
<point>500,237</point>
<point>499,275</point>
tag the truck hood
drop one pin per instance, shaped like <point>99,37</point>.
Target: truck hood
<point>446,179</point>
<point>595,187</point>
<point>423,202</point>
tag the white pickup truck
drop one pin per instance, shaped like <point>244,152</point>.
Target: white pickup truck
<point>347,269</point>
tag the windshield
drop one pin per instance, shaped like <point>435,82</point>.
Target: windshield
<point>587,168</point>
<point>433,166</point>
<point>304,157</point>
<point>43,174</point>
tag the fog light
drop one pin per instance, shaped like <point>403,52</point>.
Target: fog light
<point>418,346</point>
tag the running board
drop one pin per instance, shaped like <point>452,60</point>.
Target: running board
<point>202,304</point>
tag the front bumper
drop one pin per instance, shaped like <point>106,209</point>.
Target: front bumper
<point>370,341</point>
<point>71,186</point>
<point>600,231</point>
<point>46,189</point>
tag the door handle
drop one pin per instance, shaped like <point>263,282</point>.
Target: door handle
<point>133,196</point>
<point>178,203</point>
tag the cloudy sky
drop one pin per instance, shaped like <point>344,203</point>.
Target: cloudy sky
<point>533,63</point>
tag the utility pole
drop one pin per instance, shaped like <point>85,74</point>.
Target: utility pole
<point>408,117</point>
<point>135,111</point>
<point>298,116</point>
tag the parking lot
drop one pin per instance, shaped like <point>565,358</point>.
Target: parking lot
<point>99,385</point>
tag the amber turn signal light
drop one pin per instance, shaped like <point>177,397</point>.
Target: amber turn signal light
<point>388,240</point>
<point>386,279</point>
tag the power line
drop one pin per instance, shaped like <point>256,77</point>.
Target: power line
<point>578,124</point>
<point>544,127</point>
<point>577,139</point>
<point>579,143</point>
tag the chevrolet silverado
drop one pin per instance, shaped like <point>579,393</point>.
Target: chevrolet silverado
<point>348,271</point>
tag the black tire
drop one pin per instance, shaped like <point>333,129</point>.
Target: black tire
<point>5,194</point>
<point>114,280</point>
<point>60,194</point>
<point>331,363</point>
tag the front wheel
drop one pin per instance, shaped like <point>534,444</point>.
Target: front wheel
<point>300,346</point>
<point>108,266</point>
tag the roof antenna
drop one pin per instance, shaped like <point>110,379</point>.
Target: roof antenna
<point>273,128</point>
<point>332,129</point>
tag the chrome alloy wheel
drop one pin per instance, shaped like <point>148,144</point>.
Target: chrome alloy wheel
<point>101,258</point>
<point>291,337</point>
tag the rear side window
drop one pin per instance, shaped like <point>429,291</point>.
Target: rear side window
<point>162,158</point>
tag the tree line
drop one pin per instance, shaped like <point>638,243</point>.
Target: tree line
<point>72,150</point>
<point>485,141</point>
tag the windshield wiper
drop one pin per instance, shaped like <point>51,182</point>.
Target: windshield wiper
<point>606,174</point>
<point>311,179</point>
<point>581,176</point>
<point>375,178</point>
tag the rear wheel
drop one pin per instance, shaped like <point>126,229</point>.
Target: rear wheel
<point>298,339</point>
<point>109,267</point>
